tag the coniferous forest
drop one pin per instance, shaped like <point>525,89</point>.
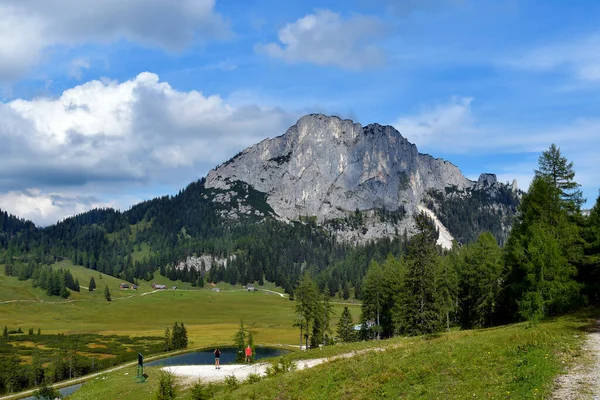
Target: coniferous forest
<point>548,264</point>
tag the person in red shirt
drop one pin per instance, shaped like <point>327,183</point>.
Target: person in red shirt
<point>248,354</point>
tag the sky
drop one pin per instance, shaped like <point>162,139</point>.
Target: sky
<point>106,103</point>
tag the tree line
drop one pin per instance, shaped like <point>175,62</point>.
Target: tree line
<point>550,265</point>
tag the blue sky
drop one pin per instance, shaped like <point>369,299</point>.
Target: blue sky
<point>107,103</point>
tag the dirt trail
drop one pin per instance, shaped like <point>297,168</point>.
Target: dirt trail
<point>583,380</point>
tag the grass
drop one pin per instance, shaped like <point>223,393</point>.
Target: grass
<point>518,361</point>
<point>211,318</point>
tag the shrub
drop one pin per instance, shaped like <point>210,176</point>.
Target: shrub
<point>252,378</point>
<point>232,382</point>
<point>279,367</point>
<point>201,392</point>
<point>166,387</point>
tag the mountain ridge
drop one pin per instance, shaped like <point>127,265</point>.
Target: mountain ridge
<point>328,167</point>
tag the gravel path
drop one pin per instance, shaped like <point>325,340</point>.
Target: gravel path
<point>583,381</point>
<point>191,373</point>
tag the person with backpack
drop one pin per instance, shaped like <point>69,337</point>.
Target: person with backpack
<point>217,357</point>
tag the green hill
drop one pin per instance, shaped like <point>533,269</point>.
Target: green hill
<point>518,361</point>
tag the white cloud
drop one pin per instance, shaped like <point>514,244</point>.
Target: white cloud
<point>441,126</point>
<point>46,208</point>
<point>109,134</point>
<point>28,27</point>
<point>76,67</point>
<point>579,57</point>
<point>452,128</point>
<point>325,38</point>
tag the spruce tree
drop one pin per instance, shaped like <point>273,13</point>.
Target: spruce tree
<point>345,328</point>
<point>307,306</point>
<point>419,310</point>
<point>538,253</point>
<point>92,284</point>
<point>168,340</point>
<point>107,293</point>
<point>240,343</point>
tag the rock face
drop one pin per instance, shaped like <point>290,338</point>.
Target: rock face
<point>327,167</point>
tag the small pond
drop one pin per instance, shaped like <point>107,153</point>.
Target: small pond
<point>207,357</point>
<point>195,358</point>
<point>64,391</point>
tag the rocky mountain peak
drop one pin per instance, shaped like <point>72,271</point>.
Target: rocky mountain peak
<point>328,168</point>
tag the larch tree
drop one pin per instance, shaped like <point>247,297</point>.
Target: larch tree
<point>555,168</point>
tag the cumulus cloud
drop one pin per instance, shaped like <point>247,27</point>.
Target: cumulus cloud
<point>453,128</point>
<point>440,126</point>
<point>47,208</point>
<point>579,57</point>
<point>326,38</point>
<point>138,132</point>
<point>28,27</point>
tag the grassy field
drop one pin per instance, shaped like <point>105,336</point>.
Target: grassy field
<point>211,318</point>
<point>518,361</point>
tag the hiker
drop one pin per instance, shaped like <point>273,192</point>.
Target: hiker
<point>248,354</point>
<point>217,356</point>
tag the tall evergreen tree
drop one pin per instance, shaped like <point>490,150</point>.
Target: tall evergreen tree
<point>481,282</point>
<point>560,174</point>
<point>345,327</point>
<point>107,293</point>
<point>538,254</point>
<point>419,309</point>
<point>307,306</point>
<point>92,284</point>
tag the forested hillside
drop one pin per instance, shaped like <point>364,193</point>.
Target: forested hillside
<point>172,228</point>
<point>482,283</point>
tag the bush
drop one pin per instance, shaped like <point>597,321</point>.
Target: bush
<point>202,392</point>
<point>252,378</point>
<point>279,367</point>
<point>46,392</point>
<point>232,382</point>
<point>166,387</point>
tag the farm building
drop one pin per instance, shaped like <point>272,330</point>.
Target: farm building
<point>159,287</point>
<point>124,286</point>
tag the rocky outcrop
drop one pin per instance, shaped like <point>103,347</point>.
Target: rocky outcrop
<point>327,167</point>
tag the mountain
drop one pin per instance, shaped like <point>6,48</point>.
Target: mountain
<point>328,196</point>
<point>359,182</point>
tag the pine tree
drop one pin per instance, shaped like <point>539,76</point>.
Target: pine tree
<point>166,389</point>
<point>168,340</point>
<point>107,293</point>
<point>560,174</point>
<point>345,328</point>
<point>419,309</point>
<point>92,284</point>
<point>481,281</point>
<point>240,343</point>
<point>307,307</point>
<point>538,253</point>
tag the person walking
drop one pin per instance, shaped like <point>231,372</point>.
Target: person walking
<point>217,357</point>
<point>248,354</point>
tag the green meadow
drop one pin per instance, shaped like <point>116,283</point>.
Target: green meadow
<point>211,318</point>
<point>518,361</point>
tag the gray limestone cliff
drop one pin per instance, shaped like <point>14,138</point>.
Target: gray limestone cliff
<point>327,168</point>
